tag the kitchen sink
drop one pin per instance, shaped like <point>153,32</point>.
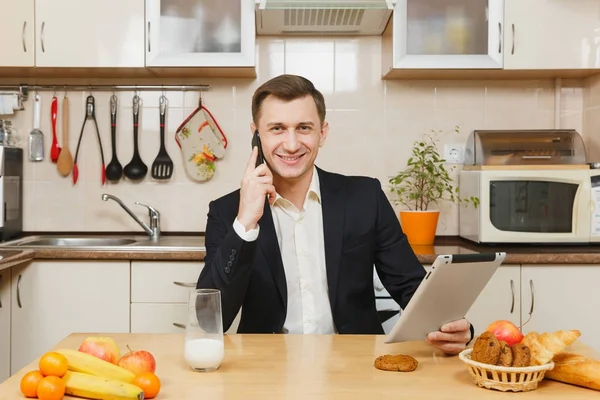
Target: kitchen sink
<point>79,242</point>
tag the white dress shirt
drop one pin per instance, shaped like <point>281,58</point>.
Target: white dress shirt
<point>300,237</point>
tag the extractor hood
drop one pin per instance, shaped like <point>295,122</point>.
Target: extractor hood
<point>319,17</point>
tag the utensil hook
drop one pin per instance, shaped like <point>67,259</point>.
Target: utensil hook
<point>65,91</point>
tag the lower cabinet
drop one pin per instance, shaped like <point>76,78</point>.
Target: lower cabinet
<point>53,299</point>
<point>5,324</point>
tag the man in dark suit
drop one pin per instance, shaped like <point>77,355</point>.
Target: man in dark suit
<point>295,246</point>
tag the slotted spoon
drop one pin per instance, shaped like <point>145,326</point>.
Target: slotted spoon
<point>162,167</point>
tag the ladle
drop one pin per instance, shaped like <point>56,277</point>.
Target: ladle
<point>136,169</point>
<point>114,170</point>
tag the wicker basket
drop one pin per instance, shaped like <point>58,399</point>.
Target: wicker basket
<point>515,379</point>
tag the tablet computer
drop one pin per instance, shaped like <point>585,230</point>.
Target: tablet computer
<point>446,294</point>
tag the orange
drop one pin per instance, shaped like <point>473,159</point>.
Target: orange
<point>30,382</point>
<point>53,364</point>
<point>148,382</point>
<point>51,388</point>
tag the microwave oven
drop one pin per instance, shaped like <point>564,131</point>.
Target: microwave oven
<point>529,206</point>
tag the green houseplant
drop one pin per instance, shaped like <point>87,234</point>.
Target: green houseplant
<point>420,186</point>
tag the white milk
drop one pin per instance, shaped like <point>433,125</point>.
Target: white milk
<point>204,353</point>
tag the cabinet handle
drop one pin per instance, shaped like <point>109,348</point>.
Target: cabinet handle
<point>149,37</point>
<point>182,326</point>
<point>19,291</point>
<point>512,289</point>
<point>23,36</point>
<point>513,39</point>
<point>42,37</point>
<point>499,37</point>
<point>532,296</point>
<point>184,284</point>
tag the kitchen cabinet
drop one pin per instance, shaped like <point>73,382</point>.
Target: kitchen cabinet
<point>200,33</point>
<point>4,324</point>
<point>562,297</point>
<point>562,34</point>
<point>445,34</point>
<point>54,298</point>
<point>89,34</point>
<point>17,33</point>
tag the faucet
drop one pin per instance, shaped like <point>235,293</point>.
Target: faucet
<point>154,229</point>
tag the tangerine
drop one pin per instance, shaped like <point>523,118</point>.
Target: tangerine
<point>53,364</point>
<point>148,382</point>
<point>51,388</point>
<point>30,382</point>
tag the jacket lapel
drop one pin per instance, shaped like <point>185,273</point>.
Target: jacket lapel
<point>332,204</point>
<point>269,245</point>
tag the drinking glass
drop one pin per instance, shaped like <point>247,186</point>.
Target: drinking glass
<point>204,347</point>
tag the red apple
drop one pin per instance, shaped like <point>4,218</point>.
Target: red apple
<point>138,361</point>
<point>104,348</point>
<point>506,330</point>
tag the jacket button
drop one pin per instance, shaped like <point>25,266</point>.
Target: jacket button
<point>227,270</point>
<point>229,263</point>
<point>231,258</point>
<point>233,252</point>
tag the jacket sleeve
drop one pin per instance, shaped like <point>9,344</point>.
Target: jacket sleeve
<point>396,264</point>
<point>227,264</point>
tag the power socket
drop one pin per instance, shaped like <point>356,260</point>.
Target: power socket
<point>454,153</point>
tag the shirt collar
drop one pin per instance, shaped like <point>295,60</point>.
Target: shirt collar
<point>314,190</point>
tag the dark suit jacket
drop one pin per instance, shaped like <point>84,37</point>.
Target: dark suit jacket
<point>361,230</point>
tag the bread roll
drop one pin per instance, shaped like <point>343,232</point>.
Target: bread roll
<point>576,370</point>
<point>546,345</point>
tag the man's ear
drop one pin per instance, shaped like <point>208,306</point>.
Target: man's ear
<point>252,127</point>
<point>324,133</point>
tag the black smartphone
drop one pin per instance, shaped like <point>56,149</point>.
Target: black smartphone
<point>256,142</point>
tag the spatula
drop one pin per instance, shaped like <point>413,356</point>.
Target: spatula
<point>65,159</point>
<point>162,167</point>
<point>36,137</point>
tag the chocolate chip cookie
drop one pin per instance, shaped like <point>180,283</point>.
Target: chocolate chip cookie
<point>486,349</point>
<point>400,362</point>
<point>521,355</point>
<point>506,356</point>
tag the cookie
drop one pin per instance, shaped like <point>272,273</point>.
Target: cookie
<point>401,362</point>
<point>486,349</point>
<point>506,357</point>
<point>521,355</point>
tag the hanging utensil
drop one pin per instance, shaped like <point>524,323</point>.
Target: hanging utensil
<point>54,149</point>
<point>90,114</point>
<point>65,159</point>
<point>162,167</point>
<point>136,169</point>
<point>36,137</point>
<point>114,170</point>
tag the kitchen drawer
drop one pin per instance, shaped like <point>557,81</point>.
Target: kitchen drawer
<point>164,318</point>
<point>163,281</point>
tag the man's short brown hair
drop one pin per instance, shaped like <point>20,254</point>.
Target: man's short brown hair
<point>287,87</point>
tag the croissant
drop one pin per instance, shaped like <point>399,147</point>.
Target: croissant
<point>576,370</point>
<point>545,346</point>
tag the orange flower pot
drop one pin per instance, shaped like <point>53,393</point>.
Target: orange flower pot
<point>419,226</point>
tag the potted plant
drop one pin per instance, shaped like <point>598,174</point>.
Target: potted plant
<point>420,186</point>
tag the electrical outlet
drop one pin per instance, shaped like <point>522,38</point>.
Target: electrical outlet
<point>454,153</point>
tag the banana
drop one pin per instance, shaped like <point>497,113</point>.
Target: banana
<point>83,362</point>
<point>96,387</point>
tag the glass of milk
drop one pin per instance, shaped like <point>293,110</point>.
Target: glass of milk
<point>204,348</point>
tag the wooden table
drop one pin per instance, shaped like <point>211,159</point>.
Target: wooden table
<point>309,367</point>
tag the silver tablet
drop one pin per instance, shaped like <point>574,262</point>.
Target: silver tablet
<point>446,294</point>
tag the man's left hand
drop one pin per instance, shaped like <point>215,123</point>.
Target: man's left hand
<point>452,337</point>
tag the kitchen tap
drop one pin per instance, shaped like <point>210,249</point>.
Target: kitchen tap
<point>154,229</point>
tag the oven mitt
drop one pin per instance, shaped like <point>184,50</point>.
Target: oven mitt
<point>202,142</point>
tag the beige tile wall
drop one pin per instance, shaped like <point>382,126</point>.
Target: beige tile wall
<point>373,123</point>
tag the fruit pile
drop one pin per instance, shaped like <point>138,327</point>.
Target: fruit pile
<point>95,371</point>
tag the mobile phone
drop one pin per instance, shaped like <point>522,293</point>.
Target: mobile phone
<point>260,159</point>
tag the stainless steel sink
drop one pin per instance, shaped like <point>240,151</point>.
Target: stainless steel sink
<point>79,242</point>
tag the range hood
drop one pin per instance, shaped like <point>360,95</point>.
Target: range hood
<point>319,17</point>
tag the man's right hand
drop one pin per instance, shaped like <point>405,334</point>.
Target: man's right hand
<point>256,184</point>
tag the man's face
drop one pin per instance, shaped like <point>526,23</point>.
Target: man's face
<point>291,134</point>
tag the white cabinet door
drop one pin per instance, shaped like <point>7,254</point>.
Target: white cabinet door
<point>551,34</point>
<point>17,33</point>
<point>87,34</point>
<point>562,297</point>
<point>439,34</point>
<point>52,299</point>
<point>200,33</point>
<point>163,281</point>
<point>500,299</point>
<point>4,324</point>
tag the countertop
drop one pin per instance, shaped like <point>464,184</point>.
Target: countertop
<point>191,247</point>
<point>309,367</point>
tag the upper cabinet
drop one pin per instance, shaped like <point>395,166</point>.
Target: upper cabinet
<point>17,32</point>
<point>562,34</point>
<point>87,34</point>
<point>449,34</point>
<point>200,33</point>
